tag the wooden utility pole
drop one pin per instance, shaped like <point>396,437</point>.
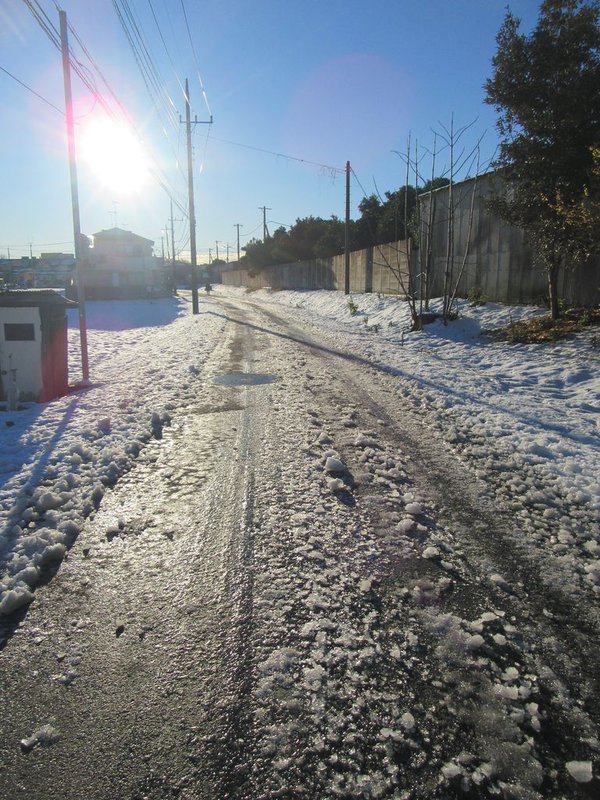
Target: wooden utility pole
<point>174,276</point>
<point>192,213</point>
<point>238,226</point>
<point>347,234</point>
<point>264,209</point>
<point>64,41</point>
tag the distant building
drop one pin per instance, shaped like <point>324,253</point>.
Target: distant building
<point>17,272</point>
<point>53,270</point>
<point>121,266</point>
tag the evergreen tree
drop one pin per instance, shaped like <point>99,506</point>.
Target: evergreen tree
<point>546,90</point>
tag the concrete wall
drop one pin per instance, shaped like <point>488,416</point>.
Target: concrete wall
<point>499,259</point>
<point>381,269</point>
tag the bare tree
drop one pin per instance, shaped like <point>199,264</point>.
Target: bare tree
<point>460,161</point>
<point>426,267</point>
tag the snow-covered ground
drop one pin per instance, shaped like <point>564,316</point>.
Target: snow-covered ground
<point>526,416</point>
<point>381,652</point>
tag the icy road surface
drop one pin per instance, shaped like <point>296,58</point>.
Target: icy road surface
<point>302,591</point>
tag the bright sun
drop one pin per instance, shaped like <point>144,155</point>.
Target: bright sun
<point>115,156</point>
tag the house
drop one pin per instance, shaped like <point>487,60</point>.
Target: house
<point>33,345</point>
<point>121,266</point>
<point>54,269</point>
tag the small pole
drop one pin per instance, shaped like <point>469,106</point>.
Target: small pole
<point>74,195</point>
<point>347,234</point>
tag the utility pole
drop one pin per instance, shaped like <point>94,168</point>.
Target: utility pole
<point>173,248</point>
<point>347,234</point>
<point>74,194</point>
<point>188,127</point>
<point>264,209</point>
<point>238,226</point>
<point>192,214</point>
<point>217,246</point>
<point>228,252</point>
<point>210,255</point>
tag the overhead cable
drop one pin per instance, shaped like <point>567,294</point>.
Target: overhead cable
<point>187,25</point>
<point>162,38</point>
<point>327,167</point>
<point>88,80</point>
<point>29,89</point>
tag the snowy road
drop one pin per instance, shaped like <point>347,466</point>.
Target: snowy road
<point>302,591</point>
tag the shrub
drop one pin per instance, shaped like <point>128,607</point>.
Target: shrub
<point>476,297</point>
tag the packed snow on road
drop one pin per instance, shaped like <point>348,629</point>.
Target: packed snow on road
<point>391,656</point>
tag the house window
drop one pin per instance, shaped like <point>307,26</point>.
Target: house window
<point>19,332</point>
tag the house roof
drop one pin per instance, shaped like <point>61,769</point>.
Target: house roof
<point>34,297</point>
<point>119,233</point>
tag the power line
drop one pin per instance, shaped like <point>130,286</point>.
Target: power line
<point>44,22</point>
<point>35,244</point>
<point>90,83</point>
<point>187,25</point>
<point>359,183</point>
<point>143,60</point>
<point>162,38</point>
<point>327,167</point>
<point>151,77</point>
<point>29,89</point>
<point>247,235</point>
<point>88,79</point>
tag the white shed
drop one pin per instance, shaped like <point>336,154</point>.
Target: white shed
<point>33,344</point>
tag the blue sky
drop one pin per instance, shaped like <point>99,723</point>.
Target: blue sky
<point>321,81</point>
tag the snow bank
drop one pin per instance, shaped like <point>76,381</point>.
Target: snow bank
<point>56,459</point>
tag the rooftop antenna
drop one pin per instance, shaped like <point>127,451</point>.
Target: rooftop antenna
<point>114,216</point>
